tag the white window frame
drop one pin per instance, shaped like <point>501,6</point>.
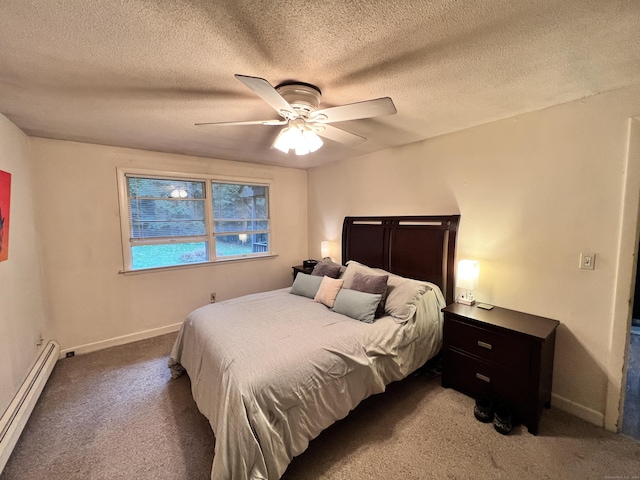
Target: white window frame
<point>210,235</point>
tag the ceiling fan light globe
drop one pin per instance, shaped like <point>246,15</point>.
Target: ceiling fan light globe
<point>301,150</point>
<point>287,139</point>
<point>312,140</point>
<point>282,144</point>
<point>299,138</point>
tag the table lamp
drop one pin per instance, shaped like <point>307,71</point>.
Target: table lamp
<point>467,278</point>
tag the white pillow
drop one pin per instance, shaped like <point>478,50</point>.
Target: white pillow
<point>328,291</point>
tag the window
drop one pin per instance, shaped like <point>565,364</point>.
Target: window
<point>167,220</point>
<point>241,220</point>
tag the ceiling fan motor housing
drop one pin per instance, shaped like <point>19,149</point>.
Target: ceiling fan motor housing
<point>303,97</point>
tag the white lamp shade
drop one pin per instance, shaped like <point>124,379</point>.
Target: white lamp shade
<point>468,274</point>
<point>325,249</point>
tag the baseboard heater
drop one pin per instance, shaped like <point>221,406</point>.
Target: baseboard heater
<point>15,417</point>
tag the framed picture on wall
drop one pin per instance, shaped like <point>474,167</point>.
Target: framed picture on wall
<point>5,197</point>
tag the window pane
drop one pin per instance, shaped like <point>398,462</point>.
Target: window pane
<point>232,200</point>
<point>240,209</point>
<point>167,218</point>
<point>241,244</point>
<point>164,188</point>
<point>165,208</point>
<point>241,226</point>
<point>165,255</point>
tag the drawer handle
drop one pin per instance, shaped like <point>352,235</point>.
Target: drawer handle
<point>482,377</point>
<point>482,344</point>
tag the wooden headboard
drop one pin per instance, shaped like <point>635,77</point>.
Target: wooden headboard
<point>423,248</point>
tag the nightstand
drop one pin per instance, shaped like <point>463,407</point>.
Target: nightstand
<point>300,268</point>
<point>501,353</point>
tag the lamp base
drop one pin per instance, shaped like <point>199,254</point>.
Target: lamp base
<point>466,301</point>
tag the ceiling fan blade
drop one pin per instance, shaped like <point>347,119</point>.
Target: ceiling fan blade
<point>355,111</point>
<point>250,122</point>
<point>267,93</point>
<point>339,135</point>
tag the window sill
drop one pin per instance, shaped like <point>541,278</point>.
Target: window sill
<point>200,264</point>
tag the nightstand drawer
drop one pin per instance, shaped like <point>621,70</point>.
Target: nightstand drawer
<point>479,378</point>
<point>509,351</point>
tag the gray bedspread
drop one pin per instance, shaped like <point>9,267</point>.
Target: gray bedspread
<point>272,370</point>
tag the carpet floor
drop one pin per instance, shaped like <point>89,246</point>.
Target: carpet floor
<point>117,414</point>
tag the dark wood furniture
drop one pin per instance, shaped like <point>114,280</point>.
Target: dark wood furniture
<point>501,353</point>
<point>301,268</point>
<point>420,247</point>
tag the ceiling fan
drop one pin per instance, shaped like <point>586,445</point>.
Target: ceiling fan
<point>297,104</point>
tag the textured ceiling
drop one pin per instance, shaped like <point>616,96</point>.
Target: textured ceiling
<point>140,73</point>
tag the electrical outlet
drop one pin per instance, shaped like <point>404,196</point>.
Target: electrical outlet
<point>588,261</point>
<point>213,297</point>
<point>39,341</point>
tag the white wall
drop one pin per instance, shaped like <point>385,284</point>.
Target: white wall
<point>533,192</point>
<point>22,312</point>
<point>90,301</point>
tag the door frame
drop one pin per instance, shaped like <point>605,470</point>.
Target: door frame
<point>625,281</point>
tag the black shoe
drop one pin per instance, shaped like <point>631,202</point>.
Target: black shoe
<point>502,420</point>
<point>483,410</point>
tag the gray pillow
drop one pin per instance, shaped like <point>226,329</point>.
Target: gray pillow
<point>354,267</point>
<point>306,285</point>
<point>358,305</point>
<point>328,268</point>
<point>403,295</point>
<point>376,284</point>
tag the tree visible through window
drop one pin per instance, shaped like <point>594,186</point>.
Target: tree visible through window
<point>171,223</point>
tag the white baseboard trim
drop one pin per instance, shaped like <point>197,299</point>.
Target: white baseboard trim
<point>578,410</point>
<point>114,342</point>
<point>15,417</point>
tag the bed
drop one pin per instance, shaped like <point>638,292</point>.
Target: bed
<point>271,370</point>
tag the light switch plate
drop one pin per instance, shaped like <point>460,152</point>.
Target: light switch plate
<point>587,261</point>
